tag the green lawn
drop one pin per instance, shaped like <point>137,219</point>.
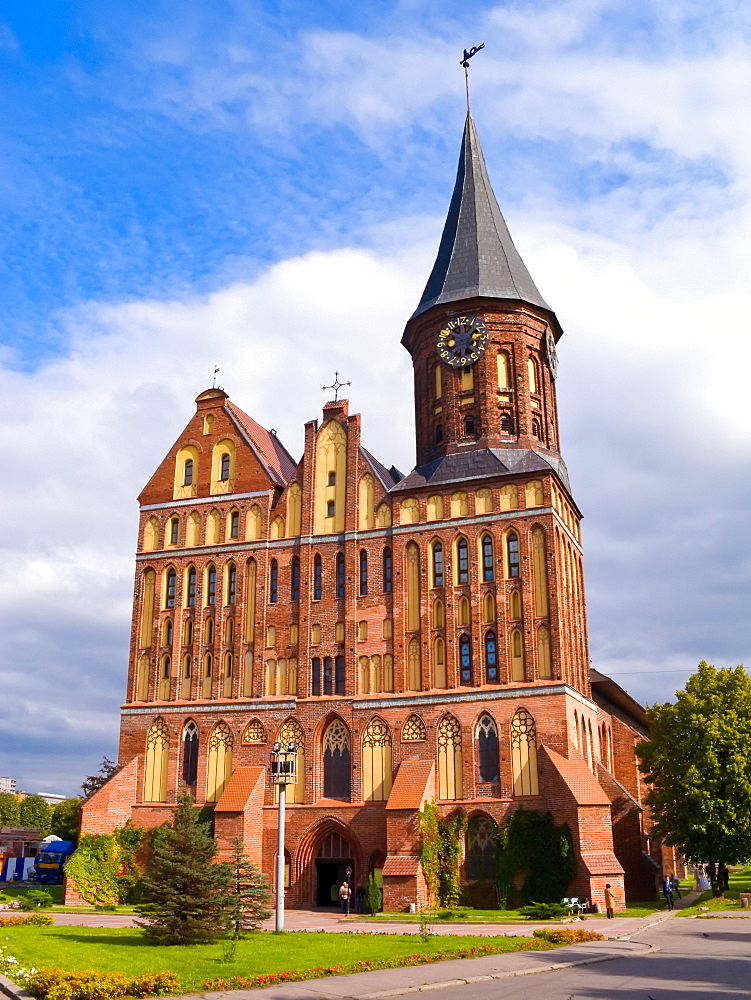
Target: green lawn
<point>740,881</point>
<point>126,950</point>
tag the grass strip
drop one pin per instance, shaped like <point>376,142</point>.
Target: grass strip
<point>290,956</point>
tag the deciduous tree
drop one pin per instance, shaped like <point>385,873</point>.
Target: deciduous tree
<point>36,812</point>
<point>9,809</point>
<point>698,765</point>
<point>66,819</point>
<point>94,782</point>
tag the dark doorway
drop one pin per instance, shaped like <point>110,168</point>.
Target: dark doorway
<point>333,858</point>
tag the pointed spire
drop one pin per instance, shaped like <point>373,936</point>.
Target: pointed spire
<point>476,256</point>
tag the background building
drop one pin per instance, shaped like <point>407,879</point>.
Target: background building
<point>421,637</point>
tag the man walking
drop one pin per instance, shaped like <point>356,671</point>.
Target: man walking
<point>675,882</point>
<point>667,891</point>
<point>344,895</point>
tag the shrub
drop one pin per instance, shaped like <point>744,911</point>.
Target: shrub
<point>37,919</point>
<point>567,935</point>
<point>89,984</point>
<point>543,911</point>
<point>35,899</point>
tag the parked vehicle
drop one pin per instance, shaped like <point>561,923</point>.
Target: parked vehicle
<point>48,864</point>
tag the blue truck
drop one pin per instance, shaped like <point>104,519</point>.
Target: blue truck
<point>48,864</point>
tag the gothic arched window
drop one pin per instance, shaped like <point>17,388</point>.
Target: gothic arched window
<point>488,565</point>
<point>491,658</point>
<point>169,598</point>
<point>376,762</point>
<point>317,578</point>
<point>462,561</point>
<point>336,762</point>
<point>231,584</point>
<point>219,765</point>
<point>273,582</point>
<point>190,753</point>
<point>190,590</point>
<point>450,759</point>
<point>157,759</point>
<point>211,584</point>
<point>295,579</point>
<point>437,555</point>
<point>340,574</point>
<point>387,571</point>
<point>524,754</point>
<point>363,573</point>
<point>512,554</point>
<point>480,860</point>
<point>487,749</point>
<point>465,659</point>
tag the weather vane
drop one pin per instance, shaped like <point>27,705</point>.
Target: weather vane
<point>465,63</point>
<point>216,372</point>
<point>336,385</point>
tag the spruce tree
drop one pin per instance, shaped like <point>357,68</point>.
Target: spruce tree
<point>251,892</point>
<point>187,895</point>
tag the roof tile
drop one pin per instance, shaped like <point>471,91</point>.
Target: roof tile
<point>413,784</point>
<point>239,789</point>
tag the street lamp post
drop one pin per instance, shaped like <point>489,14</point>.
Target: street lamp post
<point>349,885</point>
<point>283,773</point>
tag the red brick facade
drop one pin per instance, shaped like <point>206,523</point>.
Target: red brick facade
<point>428,631</point>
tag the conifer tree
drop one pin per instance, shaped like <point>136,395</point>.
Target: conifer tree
<point>186,894</point>
<point>251,891</point>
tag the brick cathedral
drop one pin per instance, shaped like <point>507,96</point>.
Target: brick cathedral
<point>421,637</point>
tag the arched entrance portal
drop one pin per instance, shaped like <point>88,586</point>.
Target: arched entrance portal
<point>333,858</point>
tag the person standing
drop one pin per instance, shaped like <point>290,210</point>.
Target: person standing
<point>609,901</point>
<point>667,891</point>
<point>344,894</point>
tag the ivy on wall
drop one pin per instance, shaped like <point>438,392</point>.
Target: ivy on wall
<point>440,849</point>
<point>531,847</point>
<point>104,869</point>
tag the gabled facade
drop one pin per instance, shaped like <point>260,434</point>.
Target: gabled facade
<point>420,637</point>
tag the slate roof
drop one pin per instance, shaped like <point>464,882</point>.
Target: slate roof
<point>388,477</point>
<point>278,462</point>
<point>476,255</point>
<point>482,462</point>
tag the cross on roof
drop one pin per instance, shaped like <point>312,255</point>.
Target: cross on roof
<point>336,385</point>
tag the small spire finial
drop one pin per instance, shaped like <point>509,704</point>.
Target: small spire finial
<point>336,385</point>
<point>216,372</point>
<point>465,63</point>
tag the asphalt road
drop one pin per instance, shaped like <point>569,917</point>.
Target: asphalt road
<point>696,958</point>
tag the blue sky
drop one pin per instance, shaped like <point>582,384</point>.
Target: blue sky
<point>173,176</point>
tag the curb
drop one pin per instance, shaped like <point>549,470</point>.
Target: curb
<point>9,988</point>
<point>559,966</point>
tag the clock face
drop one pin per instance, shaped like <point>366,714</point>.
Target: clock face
<point>551,351</point>
<point>462,341</point>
